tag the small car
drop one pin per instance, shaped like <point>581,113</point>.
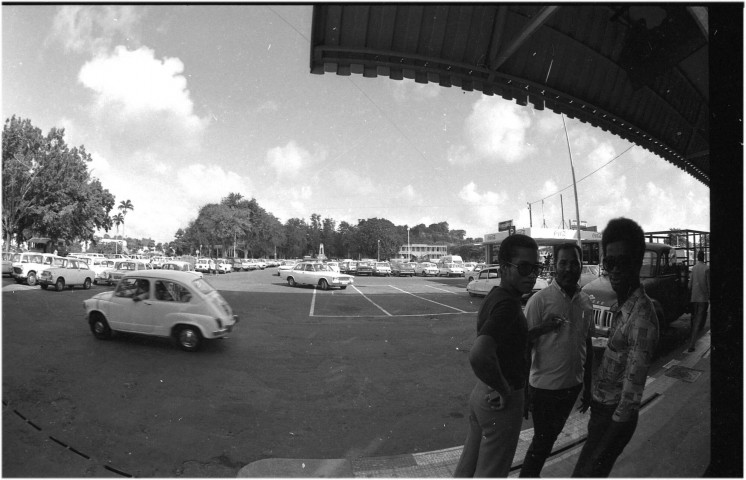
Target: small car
<point>450,269</point>
<point>382,268</point>
<point>334,266</point>
<point>364,268</point>
<point>179,265</point>
<point>316,273</point>
<point>588,273</point>
<point>401,269</point>
<point>489,278</point>
<point>101,269</point>
<point>348,266</point>
<point>205,265</point>
<point>426,269</point>
<point>7,263</point>
<point>473,274</point>
<point>124,266</point>
<point>285,266</point>
<point>28,265</point>
<point>223,266</point>
<point>67,272</point>
<point>157,262</point>
<point>164,303</point>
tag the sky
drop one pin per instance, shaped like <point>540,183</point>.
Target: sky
<point>180,105</point>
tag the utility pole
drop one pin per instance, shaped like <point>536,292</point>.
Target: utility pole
<point>562,206</point>
<point>530,219</point>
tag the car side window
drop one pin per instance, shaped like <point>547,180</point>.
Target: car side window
<point>649,264</point>
<point>166,291</point>
<point>126,288</point>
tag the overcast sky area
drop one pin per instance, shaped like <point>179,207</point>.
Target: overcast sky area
<point>181,105</point>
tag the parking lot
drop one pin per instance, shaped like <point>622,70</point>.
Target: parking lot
<point>378,369</point>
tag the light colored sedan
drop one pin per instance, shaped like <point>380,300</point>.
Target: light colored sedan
<point>67,272</point>
<point>426,269</point>
<point>489,278</point>
<point>450,270</point>
<point>314,273</point>
<point>8,263</point>
<point>382,268</point>
<point>120,268</point>
<point>162,303</point>
<point>181,266</point>
<point>285,266</point>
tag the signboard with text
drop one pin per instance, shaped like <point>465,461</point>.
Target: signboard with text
<point>502,226</point>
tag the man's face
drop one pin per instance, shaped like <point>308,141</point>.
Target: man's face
<point>512,278</point>
<point>623,270</point>
<point>568,268</point>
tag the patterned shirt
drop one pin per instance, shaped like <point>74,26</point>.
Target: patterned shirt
<point>633,337</point>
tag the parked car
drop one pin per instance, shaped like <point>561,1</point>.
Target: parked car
<point>401,269</point>
<point>257,264</point>
<point>426,269</point>
<point>124,266</point>
<point>334,266</point>
<point>157,262</point>
<point>450,270</point>
<point>469,267</point>
<point>163,303</point>
<point>489,278</point>
<point>223,266</point>
<point>67,272</point>
<point>665,282</point>
<point>101,267</point>
<point>348,266</point>
<point>179,265</point>
<point>205,265</point>
<point>474,273</point>
<point>28,265</point>
<point>382,269</point>
<point>8,263</point>
<point>286,266</point>
<point>118,256</point>
<point>588,273</point>
<point>364,267</point>
<point>316,273</point>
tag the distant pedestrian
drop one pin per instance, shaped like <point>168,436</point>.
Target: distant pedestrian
<point>498,359</point>
<point>560,322</point>
<point>633,336</point>
<point>699,286</point>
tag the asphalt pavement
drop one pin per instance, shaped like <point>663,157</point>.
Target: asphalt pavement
<point>672,437</point>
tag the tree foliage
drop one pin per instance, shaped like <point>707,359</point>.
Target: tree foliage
<point>47,189</point>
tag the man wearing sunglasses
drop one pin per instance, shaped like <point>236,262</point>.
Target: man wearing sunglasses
<point>498,359</point>
<point>560,322</point>
<point>633,337</point>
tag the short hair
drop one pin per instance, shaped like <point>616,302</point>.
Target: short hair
<point>624,230</point>
<point>701,256</point>
<point>567,246</point>
<point>509,245</point>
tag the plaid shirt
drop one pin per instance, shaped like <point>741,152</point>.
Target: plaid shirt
<point>633,337</point>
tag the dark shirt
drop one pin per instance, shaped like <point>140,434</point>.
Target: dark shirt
<point>501,317</point>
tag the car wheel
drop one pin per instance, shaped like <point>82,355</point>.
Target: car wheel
<point>324,284</point>
<point>343,287</point>
<point>31,279</point>
<point>188,338</point>
<point>87,284</point>
<point>60,284</point>
<point>43,286</point>
<point>291,281</point>
<point>100,327</point>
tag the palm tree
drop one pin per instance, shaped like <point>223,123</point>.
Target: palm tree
<point>118,219</point>
<point>125,206</point>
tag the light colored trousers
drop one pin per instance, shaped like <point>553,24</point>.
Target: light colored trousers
<point>493,435</point>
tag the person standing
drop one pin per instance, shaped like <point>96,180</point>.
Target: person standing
<point>560,322</point>
<point>699,285</point>
<point>498,359</point>
<point>633,336</point>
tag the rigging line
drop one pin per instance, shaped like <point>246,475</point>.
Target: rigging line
<point>288,23</point>
<point>411,143</point>
<point>583,178</point>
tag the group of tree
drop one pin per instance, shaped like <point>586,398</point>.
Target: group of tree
<point>242,228</point>
<point>47,188</point>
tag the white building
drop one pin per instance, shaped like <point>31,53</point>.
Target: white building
<point>422,251</point>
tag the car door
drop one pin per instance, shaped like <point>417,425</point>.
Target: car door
<point>131,306</point>
<point>73,273</point>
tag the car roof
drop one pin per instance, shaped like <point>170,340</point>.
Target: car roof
<point>162,274</point>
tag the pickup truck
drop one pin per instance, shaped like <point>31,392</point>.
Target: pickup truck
<point>666,283</point>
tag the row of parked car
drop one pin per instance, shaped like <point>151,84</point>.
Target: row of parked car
<point>227,265</point>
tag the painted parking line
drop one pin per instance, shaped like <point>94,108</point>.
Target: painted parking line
<point>371,301</point>
<point>442,289</point>
<point>428,300</point>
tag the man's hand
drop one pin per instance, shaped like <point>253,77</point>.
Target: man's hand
<point>497,400</point>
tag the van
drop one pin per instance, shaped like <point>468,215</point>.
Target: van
<point>451,259</point>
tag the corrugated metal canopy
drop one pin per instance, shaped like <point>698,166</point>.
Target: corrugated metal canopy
<point>638,71</point>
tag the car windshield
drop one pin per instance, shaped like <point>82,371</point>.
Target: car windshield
<point>203,286</point>
<point>125,266</point>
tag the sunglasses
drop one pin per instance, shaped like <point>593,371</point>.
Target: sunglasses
<point>622,262</point>
<point>525,269</point>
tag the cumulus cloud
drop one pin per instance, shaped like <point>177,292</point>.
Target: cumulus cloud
<point>93,28</point>
<point>289,160</point>
<point>496,130</point>
<point>201,182</point>
<point>410,90</point>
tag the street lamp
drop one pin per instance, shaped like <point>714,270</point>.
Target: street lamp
<point>378,256</point>
<point>409,251</point>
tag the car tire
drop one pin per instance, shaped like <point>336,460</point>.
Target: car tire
<point>291,281</point>
<point>189,338</point>
<point>44,286</point>
<point>31,279</point>
<point>324,284</point>
<point>343,287</point>
<point>471,294</point>
<point>100,327</point>
<point>87,284</point>
<point>59,284</point>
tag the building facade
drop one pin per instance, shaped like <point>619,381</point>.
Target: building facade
<point>422,252</point>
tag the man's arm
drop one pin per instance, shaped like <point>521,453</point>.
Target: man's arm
<point>484,363</point>
<point>585,400</point>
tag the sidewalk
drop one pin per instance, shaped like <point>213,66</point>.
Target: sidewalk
<point>672,437</point>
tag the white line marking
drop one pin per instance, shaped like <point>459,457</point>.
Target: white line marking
<point>441,289</point>
<point>390,315</point>
<point>428,300</point>
<point>313,302</point>
<point>371,301</point>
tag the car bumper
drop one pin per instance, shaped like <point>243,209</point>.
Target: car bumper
<point>226,330</point>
